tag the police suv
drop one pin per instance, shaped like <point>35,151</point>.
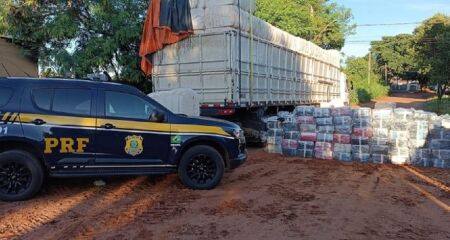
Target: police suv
<point>83,128</point>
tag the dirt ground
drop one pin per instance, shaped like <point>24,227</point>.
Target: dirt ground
<point>404,100</point>
<point>269,197</point>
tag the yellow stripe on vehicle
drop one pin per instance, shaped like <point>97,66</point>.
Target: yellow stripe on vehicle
<point>60,120</point>
<point>13,116</point>
<point>5,116</point>
<point>182,128</point>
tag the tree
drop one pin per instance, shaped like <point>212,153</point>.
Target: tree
<point>397,53</point>
<point>80,37</point>
<point>320,21</point>
<point>433,46</point>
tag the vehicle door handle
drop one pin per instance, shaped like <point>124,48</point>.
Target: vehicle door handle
<point>108,126</point>
<point>38,122</point>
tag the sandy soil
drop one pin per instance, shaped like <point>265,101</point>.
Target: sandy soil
<point>404,100</point>
<point>269,197</point>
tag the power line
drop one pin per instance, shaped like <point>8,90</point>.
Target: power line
<point>387,24</point>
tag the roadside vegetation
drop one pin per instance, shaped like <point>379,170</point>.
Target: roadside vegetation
<point>439,106</point>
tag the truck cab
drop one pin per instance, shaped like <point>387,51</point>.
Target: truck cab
<point>82,128</point>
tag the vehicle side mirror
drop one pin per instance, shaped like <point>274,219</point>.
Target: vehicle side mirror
<point>158,116</point>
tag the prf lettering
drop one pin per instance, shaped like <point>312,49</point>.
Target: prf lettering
<point>67,145</point>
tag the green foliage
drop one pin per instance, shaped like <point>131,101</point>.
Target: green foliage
<point>433,46</point>
<point>440,107</point>
<point>397,53</point>
<point>325,23</point>
<point>361,89</point>
<point>81,37</point>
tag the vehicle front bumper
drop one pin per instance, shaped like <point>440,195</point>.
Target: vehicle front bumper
<point>236,162</point>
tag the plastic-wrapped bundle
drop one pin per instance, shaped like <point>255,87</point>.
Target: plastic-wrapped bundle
<point>360,140</point>
<point>325,129</point>
<point>308,136</point>
<point>275,136</point>
<point>304,111</point>
<point>381,123</point>
<point>342,111</point>
<point>383,114</point>
<point>304,145</point>
<point>343,120</point>
<point>338,147</point>
<point>441,154</point>
<point>424,116</point>
<point>400,155</point>
<point>403,115</point>
<point>379,149</point>
<point>324,121</point>
<point>322,112</point>
<point>381,132</point>
<point>308,128</point>
<point>361,149</point>
<point>323,150</point>
<point>421,157</point>
<point>441,163</point>
<point>439,144</point>
<point>399,142</point>
<point>290,126</point>
<point>308,153</point>
<point>342,138</point>
<point>361,157</point>
<point>290,118</point>
<point>363,132</point>
<point>342,156</point>
<point>362,113</point>
<point>379,141</point>
<point>418,130</point>
<point>398,134</point>
<point>380,158</point>
<point>289,147</point>
<point>440,134</point>
<point>283,114</point>
<point>274,124</point>
<point>400,126</point>
<point>306,120</point>
<point>325,137</point>
<point>343,129</point>
<point>291,135</point>
<point>274,148</point>
<point>362,122</point>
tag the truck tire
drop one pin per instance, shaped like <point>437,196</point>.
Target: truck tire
<point>21,175</point>
<point>201,167</point>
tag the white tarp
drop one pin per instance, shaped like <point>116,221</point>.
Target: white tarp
<point>179,101</point>
<point>198,18</point>
<point>246,5</point>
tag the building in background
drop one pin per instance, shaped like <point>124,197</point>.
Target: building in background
<point>13,63</point>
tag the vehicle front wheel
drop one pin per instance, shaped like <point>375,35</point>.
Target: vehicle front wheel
<point>21,175</point>
<point>201,167</point>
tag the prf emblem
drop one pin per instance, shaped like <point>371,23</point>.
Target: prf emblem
<point>134,145</point>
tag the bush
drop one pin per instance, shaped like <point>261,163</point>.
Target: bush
<point>439,107</point>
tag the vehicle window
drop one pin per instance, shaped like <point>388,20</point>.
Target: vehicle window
<point>73,101</point>
<point>5,95</point>
<point>125,105</point>
<point>43,98</point>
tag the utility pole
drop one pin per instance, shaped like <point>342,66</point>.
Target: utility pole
<point>385,74</point>
<point>370,66</point>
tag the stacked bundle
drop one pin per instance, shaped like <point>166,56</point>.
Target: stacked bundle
<point>305,149</point>
<point>362,132</point>
<point>399,136</point>
<point>342,121</point>
<point>440,146</point>
<point>306,123</point>
<point>323,150</point>
<point>325,129</point>
<point>381,122</point>
<point>290,143</point>
<point>274,135</point>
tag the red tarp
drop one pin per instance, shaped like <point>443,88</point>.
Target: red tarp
<point>155,36</point>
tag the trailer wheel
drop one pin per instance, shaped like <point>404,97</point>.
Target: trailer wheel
<point>201,167</point>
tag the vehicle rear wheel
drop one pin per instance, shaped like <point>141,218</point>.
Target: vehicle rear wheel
<point>21,175</point>
<point>201,167</point>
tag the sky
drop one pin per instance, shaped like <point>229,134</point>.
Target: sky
<point>387,11</point>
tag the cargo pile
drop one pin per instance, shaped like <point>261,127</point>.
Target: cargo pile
<point>384,135</point>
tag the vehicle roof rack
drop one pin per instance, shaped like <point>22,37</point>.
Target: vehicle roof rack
<point>100,77</point>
